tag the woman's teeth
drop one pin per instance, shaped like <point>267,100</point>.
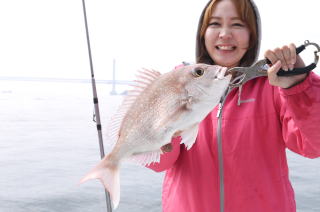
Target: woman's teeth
<point>228,48</point>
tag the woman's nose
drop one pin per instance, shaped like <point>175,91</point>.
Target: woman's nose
<point>225,33</point>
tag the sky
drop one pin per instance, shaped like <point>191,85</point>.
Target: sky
<point>46,38</point>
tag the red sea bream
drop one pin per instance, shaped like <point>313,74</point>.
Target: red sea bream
<point>158,107</point>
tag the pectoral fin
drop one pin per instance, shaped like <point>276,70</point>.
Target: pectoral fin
<point>189,136</point>
<point>146,158</point>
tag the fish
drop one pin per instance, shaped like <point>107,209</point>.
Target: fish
<point>157,108</point>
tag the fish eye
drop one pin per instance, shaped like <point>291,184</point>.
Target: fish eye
<point>198,72</point>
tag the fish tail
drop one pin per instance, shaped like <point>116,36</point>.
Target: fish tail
<point>109,176</point>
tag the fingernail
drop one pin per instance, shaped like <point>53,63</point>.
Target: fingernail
<point>285,68</point>
<point>290,67</point>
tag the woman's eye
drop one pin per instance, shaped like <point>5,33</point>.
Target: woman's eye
<point>214,24</point>
<point>238,24</point>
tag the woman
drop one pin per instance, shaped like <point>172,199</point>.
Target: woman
<point>238,162</point>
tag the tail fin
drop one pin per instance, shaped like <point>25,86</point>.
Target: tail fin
<point>109,177</point>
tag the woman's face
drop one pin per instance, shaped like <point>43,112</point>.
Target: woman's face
<point>227,37</point>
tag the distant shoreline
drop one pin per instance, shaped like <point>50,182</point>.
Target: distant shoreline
<point>48,79</point>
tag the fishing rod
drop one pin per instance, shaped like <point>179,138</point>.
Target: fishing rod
<point>96,117</point>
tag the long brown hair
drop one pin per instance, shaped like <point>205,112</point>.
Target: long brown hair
<point>247,14</point>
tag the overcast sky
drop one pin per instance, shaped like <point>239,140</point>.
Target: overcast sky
<point>46,38</point>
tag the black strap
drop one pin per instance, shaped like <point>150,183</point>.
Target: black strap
<point>297,71</point>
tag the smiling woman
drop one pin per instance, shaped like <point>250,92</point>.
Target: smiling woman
<point>239,162</point>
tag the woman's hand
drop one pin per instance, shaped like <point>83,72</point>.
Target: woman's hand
<point>287,59</point>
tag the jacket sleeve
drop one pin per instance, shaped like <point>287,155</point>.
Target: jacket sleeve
<point>167,159</point>
<point>299,109</point>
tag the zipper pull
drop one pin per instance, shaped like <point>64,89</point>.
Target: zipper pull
<point>219,110</point>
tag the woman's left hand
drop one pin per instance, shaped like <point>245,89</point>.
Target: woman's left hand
<point>287,59</point>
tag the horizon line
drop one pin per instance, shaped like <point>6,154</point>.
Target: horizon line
<point>75,80</point>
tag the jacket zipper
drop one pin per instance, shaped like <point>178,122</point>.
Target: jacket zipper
<point>220,153</point>
<point>219,110</point>
<point>220,156</point>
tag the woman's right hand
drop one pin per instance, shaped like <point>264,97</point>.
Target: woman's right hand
<point>285,58</point>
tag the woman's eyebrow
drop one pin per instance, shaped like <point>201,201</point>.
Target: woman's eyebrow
<point>219,18</point>
<point>215,17</point>
<point>236,18</point>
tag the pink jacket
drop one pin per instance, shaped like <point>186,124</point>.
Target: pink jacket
<point>250,174</point>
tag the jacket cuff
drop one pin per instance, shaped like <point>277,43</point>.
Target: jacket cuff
<point>306,83</point>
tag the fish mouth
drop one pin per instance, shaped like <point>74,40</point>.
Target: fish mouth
<point>234,73</point>
<point>223,72</point>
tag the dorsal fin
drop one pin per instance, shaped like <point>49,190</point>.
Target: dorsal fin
<point>144,78</point>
